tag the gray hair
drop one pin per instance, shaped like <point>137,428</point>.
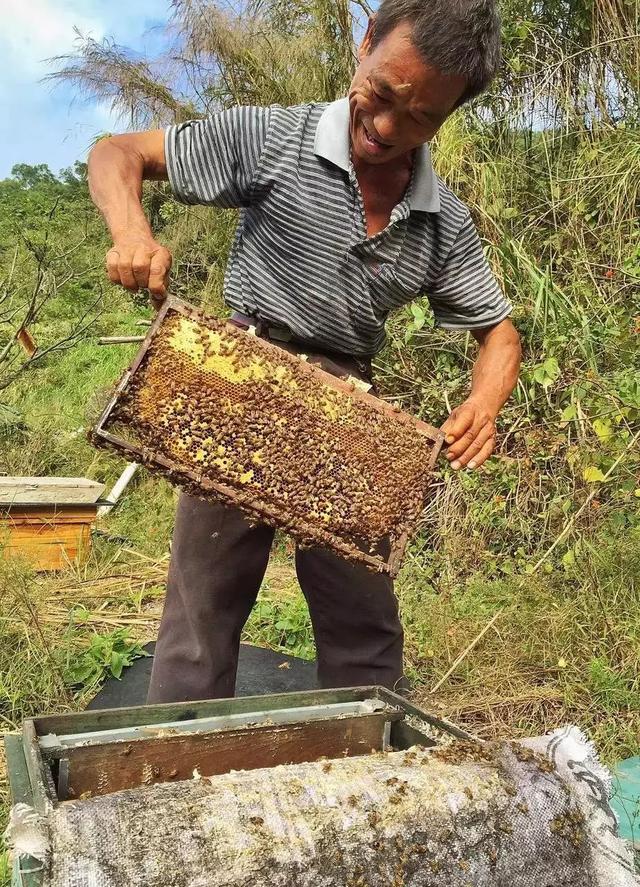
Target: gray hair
<point>459,37</point>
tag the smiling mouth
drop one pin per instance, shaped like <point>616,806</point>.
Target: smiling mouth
<point>375,143</point>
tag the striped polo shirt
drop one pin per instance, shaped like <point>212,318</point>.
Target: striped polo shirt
<point>301,258</point>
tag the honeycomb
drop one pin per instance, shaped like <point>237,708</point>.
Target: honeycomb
<point>230,416</point>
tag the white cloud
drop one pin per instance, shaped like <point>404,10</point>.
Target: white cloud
<point>39,124</point>
<point>39,29</point>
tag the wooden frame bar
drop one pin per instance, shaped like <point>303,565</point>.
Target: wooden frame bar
<point>99,769</point>
<point>235,721</point>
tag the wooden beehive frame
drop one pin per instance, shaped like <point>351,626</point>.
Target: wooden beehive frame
<point>178,472</point>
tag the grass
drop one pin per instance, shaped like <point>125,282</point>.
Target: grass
<point>564,650</point>
<point>566,647</point>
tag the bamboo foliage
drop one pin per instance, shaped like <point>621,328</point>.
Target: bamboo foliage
<point>285,52</point>
<point>138,89</point>
<point>572,62</point>
<point>568,63</point>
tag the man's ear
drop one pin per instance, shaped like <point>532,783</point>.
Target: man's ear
<point>365,46</point>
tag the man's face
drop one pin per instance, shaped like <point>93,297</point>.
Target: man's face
<point>396,100</point>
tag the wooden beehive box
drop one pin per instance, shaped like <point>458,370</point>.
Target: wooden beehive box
<point>48,520</point>
<point>334,788</point>
<point>65,762</point>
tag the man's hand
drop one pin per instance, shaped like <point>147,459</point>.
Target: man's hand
<point>140,262</point>
<point>117,167</point>
<point>470,430</point>
<point>471,434</point>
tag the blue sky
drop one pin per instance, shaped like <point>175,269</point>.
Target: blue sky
<point>42,123</point>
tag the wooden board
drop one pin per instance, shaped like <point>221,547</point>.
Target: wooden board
<point>47,514</point>
<point>49,490</point>
<point>51,537</point>
<point>114,718</point>
<point>109,767</point>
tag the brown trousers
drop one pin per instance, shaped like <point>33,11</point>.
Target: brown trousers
<point>218,561</point>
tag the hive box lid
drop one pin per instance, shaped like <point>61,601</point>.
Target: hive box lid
<point>49,491</point>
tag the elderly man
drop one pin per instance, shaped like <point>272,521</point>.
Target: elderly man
<point>342,220</point>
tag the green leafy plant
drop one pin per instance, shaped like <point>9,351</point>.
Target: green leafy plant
<point>282,624</point>
<point>100,656</point>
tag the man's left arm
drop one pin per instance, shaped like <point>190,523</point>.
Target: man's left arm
<point>470,429</point>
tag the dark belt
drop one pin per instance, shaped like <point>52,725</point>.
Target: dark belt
<point>336,362</point>
<point>263,328</point>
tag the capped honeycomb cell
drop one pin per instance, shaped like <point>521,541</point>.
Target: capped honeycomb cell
<point>232,417</point>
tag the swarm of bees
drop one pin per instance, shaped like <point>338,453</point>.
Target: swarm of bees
<point>229,415</point>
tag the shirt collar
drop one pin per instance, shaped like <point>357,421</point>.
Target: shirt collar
<point>332,143</point>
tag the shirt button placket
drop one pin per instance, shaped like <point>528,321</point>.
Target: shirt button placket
<point>358,221</point>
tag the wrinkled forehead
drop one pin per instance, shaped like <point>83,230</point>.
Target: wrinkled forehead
<point>392,79</point>
<point>399,86</point>
<point>397,66</point>
<point>405,78</point>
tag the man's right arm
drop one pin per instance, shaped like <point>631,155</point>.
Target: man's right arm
<point>117,167</point>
